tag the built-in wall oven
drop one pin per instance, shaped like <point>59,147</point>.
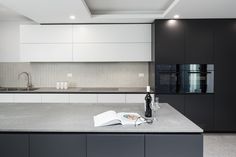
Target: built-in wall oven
<point>169,78</point>
<point>184,78</point>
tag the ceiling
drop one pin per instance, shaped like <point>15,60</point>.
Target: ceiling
<point>113,11</point>
<point>128,6</point>
<point>7,14</point>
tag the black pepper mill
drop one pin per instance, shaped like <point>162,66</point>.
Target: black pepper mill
<point>148,103</point>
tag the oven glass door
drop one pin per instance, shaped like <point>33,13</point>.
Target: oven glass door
<point>199,78</point>
<point>169,79</point>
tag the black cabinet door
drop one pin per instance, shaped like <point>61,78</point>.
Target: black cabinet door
<point>172,145</point>
<point>199,41</point>
<point>57,145</point>
<point>169,42</point>
<point>176,101</point>
<point>115,145</point>
<point>14,145</point>
<point>225,75</point>
<point>200,109</point>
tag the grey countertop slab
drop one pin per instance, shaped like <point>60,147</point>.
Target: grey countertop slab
<point>85,90</point>
<point>79,118</point>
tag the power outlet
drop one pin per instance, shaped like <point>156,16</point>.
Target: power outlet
<point>69,75</point>
<point>140,74</point>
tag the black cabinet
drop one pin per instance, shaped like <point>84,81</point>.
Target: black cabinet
<point>184,41</point>
<point>173,145</point>
<point>176,101</point>
<point>169,42</point>
<point>115,145</point>
<point>14,145</point>
<point>225,75</point>
<point>57,145</point>
<point>199,42</point>
<point>200,109</point>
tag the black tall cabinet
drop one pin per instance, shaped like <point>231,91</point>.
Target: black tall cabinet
<point>169,42</point>
<point>225,75</point>
<point>200,41</point>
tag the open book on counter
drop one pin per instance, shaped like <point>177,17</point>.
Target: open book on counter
<point>112,118</point>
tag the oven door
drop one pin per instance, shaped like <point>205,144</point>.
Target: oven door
<point>168,82</point>
<point>199,78</point>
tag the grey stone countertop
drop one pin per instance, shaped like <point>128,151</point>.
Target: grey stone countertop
<point>79,118</point>
<point>86,90</point>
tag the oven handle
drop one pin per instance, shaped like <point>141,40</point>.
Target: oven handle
<point>195,72</point>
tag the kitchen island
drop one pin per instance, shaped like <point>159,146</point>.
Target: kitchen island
<point>67,130</point>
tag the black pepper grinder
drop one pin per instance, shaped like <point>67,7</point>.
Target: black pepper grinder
<point>148,103</point>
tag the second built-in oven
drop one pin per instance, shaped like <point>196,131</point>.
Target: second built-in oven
<point>199,78</point>
<point>184,78</point>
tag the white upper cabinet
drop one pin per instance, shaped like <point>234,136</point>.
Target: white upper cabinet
<point>45,34</point>
<point>46,43</point>
<point>112,52</point>
<point>86,43</point>
<point>46,53</point>
<point>112,43</point>
<point>116,33</point>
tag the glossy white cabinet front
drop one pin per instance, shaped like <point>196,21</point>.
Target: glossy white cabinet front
<point>72,98</point>
<point>111,98</point>
<point>115,33</point>
<point>46,34</point>
<point>85,43</point>
<point>46,52</point>
<point>27,98</point>
<point>83,98</point>
<point>55,98</point>
<point>112,52</point>
<point>6,98</point>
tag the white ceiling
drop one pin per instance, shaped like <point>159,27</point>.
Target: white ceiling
<point>128,6</point>
<point>114,11</point>
<point>9,15</point>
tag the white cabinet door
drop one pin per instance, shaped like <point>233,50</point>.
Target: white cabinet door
<point>83,98</point>
<point>46,52</point>
<point>6,98</point>
<point>137,98</point>
<point>46,34</point>
<point>55,98</point>
<point>110,33</point>
<point>112,52</point>
<point>27,98</point>
<point>111,98</point>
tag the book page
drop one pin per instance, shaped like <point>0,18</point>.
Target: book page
<point>106,118</point>
<point>128,118</point>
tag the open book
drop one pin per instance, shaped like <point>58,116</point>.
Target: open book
<point>113,118</point>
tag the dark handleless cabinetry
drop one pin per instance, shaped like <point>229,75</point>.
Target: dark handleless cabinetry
<point>14,145</point>
<point>116,145</point>
<point>169,42</point>
<point>176,101</point>
<point>225,75</point>
<point>165,146</point>
<point>57,145</point>
<point>200,109</point>
<point>198,42</point>
<point>202,41</point>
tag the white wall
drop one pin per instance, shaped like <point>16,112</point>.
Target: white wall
<point>10,39</point>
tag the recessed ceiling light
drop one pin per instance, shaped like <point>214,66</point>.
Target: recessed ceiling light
<point>176,16</point>
<point>72,17</point>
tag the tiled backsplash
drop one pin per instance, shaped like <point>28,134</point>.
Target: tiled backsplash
<point>83,74</point>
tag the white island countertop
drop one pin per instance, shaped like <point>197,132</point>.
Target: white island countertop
<point>79,118</point>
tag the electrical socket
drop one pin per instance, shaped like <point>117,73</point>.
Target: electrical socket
<point>69,75</point>
<point>140,74</point>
